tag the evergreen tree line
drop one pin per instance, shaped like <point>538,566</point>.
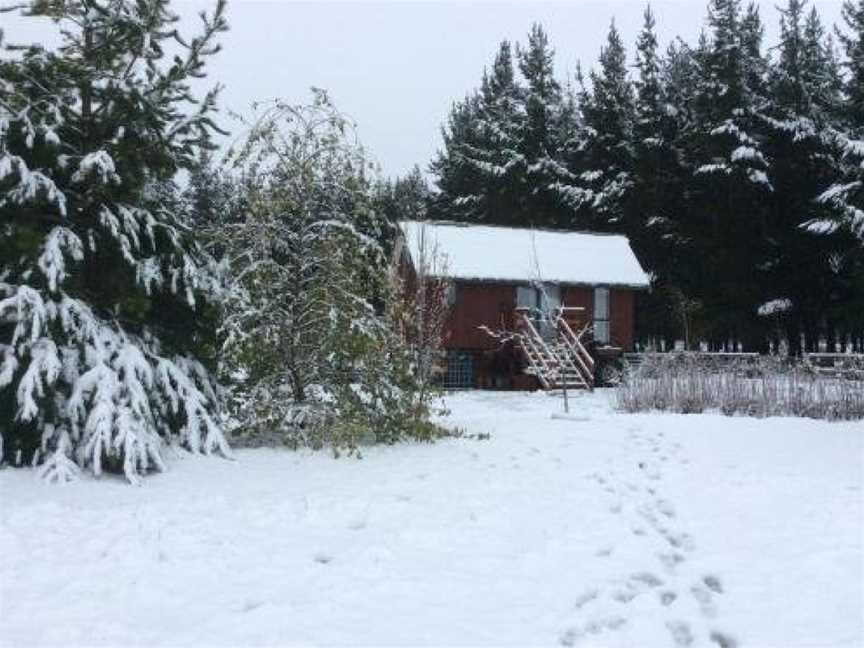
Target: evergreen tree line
<point>737,171</point>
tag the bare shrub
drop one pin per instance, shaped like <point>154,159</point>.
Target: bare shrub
<point>690,383</point>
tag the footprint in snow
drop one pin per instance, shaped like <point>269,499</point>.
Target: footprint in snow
<point>680,631</point>
<point>250,605</point>
<point>713,583</point>
<point>646,578</point>
<point>705,600</point>
<point>678,540</point>
<point>586,597</point>
<point>604,552</point>
<point>323,559</point>
<point>593,627</point>
<point>638,583</point>
<point>665,507</point>
<point>615,508</point>
<point>723,640</point>
<point>670,560</point>
<point>667,598</point>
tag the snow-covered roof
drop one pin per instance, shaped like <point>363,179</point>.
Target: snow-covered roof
<point>491,253</point>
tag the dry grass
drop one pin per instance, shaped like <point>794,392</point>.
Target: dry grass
<point>693,383</point>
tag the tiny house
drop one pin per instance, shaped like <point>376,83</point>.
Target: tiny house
<point>500,278</point>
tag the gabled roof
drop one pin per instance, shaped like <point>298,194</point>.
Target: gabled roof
<point>489,253</point>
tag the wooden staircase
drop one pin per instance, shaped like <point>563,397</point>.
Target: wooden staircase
<point>559,360</point>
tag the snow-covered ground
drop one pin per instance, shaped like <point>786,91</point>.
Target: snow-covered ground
<point>615,530</point>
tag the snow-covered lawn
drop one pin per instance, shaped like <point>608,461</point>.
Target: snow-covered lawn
<point>617,530</point>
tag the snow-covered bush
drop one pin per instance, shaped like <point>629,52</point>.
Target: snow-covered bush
<point>758,386</point>
<point>307,334</point>
<point>103,293</point>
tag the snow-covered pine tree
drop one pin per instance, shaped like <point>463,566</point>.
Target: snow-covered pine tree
<point>405,198</point>
<point>798,124</point>
<point>852,42</point>
<point>608,113</point>
<point>460,195</point>
<point>846,195</point>
<point>658,193</point>
<point>656,201</point>
<point>841,220</point>
<point>547,121</point>
<point>730,183</point>
<point>499,164</point>
<point>212,195</point>
<point>102,291</point>
<point>480,172</point>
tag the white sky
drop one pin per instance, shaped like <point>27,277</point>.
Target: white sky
<point>396,67</point>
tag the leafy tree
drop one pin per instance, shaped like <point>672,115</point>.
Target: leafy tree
<point>318,361</point>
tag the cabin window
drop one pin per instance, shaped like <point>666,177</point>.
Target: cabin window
<point>543,301</point>
<point>450,294</point>
<point>526,297</point>
<point>601,315</point>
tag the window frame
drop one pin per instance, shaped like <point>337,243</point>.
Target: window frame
<point>603,319</point>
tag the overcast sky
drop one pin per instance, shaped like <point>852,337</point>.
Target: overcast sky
<point>396,67</point>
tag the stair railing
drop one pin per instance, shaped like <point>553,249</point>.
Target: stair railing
<point>544,368</point>
<point>573,342</point>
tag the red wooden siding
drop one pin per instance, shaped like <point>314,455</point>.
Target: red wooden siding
<point>621,318</point>
<point>578,297</point>
<point>493,305</point>
<point>480,304</point>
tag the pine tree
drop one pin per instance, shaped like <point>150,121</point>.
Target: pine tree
<point>103,292</point>
<point>656,200</point>
<point>846,196</point>
<point>212,195</point>
<point>730,183</point>
<point>841,221</point>
<point>500,163</point>
<point>852,42</point>
<point>460,195</point>
<point>546,122</point>
<point>607,160</point>
<point>482,169</point>
<point>799,140</point>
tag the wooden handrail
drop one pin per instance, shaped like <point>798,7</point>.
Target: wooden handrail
<point>539,348</point>
<point>578,351</point>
